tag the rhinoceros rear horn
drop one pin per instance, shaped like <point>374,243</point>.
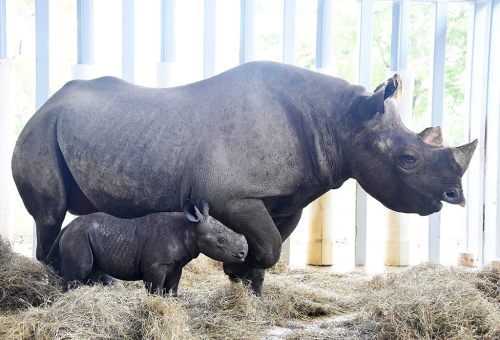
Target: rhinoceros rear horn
<point>463,154</point>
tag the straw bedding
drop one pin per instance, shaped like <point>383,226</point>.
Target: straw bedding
<point>422,302</point>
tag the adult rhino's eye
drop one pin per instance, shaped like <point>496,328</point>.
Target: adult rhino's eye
<point>222,240</point>
<point>407,161</point>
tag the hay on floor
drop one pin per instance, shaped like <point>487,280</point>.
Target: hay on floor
<point>98,312</point>
<point>431,301</point>
<point>428,301</point>
<point>24,282</point>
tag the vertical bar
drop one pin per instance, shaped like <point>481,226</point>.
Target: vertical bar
<point>6,126</point>
<point>399,37</point>
<point>209,39</point>
<point>324,34</point>
<point>128,40</point>
<point>167,30</point>
<point>247,19</point>
<point>3,29</point>
<point>477,123</point>
<point>42,51</point>
<point>85,32</point>
<point>42,64</point>
<point>492,166</point>
<point>289,8</point>
<point>365,39</point>
<point>438,73</point>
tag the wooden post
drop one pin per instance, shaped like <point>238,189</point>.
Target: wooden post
<point>320,245</point>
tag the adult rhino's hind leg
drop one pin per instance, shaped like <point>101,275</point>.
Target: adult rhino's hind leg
<point>251,219</point>
<point>39,172</point>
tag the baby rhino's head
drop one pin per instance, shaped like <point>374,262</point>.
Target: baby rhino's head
<point>215,239</point>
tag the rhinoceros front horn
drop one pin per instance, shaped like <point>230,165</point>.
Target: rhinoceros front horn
<point>463,155</point>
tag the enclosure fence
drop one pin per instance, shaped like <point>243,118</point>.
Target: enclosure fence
<point>482,81</point>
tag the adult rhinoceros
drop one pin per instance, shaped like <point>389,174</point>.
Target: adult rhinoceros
<point>258,142</point>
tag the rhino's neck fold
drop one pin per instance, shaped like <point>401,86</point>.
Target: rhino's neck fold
<point>321,128</point>
<point>190,240</point>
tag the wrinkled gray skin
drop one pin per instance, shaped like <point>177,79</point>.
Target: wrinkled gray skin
<point>259,142</point>
<point>153,248</point>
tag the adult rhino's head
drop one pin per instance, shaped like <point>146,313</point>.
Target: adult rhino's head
<point>213,238</point>
<point>406,171</point>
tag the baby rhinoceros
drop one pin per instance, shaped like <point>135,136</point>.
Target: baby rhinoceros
<point>153,248</point>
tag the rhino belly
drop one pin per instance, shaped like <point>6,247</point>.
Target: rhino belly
<point>118,170</point>
<point>115,247</point>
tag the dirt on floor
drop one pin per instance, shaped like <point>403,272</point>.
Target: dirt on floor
<point>428,301</point>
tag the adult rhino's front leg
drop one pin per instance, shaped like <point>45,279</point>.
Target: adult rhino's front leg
<point>286,225</point>
<point>250,218</point>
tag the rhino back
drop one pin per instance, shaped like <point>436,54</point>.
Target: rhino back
<point>249,131</point>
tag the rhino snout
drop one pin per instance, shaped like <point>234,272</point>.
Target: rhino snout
<point>241,254</point>
<point>243,249</point>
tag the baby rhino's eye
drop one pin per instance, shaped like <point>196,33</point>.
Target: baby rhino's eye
<point>222,240</point>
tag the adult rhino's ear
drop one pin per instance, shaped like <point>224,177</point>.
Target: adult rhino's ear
<point>191,211</point>
<point>370,105</point>
<point>432,136</point>
<point>204,207</point>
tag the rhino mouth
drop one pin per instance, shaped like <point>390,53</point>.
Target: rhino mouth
<point>431,207</point>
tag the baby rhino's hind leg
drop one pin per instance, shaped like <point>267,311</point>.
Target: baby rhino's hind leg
<point>77,260</point>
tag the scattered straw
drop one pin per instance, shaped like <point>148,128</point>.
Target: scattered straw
<point>430,301</point>
<point>489,283</point>
<point>24,282</point>
<point>99,312</point>
<point>424,302</point>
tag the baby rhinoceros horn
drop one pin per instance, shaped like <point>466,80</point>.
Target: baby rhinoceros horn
<point>463,154</point>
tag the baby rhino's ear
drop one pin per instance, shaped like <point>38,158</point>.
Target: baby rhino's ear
<point>191,211</point>
<point>204,207</point>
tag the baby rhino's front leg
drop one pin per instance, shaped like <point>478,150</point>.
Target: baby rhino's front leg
<point>172,281</point>
<point>154,277</point>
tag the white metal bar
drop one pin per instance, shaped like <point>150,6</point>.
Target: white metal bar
<point>42,51</point>
<point>324,34</point>
<point>165,69</point>
<point>3,29</point>
<point>247,39</point>
<point>128,40</point>
<point>399,36</point>
<point>365,39</point>
<point>477,123</point>
<point>85,32</point>
<point>42,64</point>
<point>6,135</point>
<point>167,30</point>
<point>209,38</point>
<point>492,185</point>
<point>438,74</point>
<point>289,8</point>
